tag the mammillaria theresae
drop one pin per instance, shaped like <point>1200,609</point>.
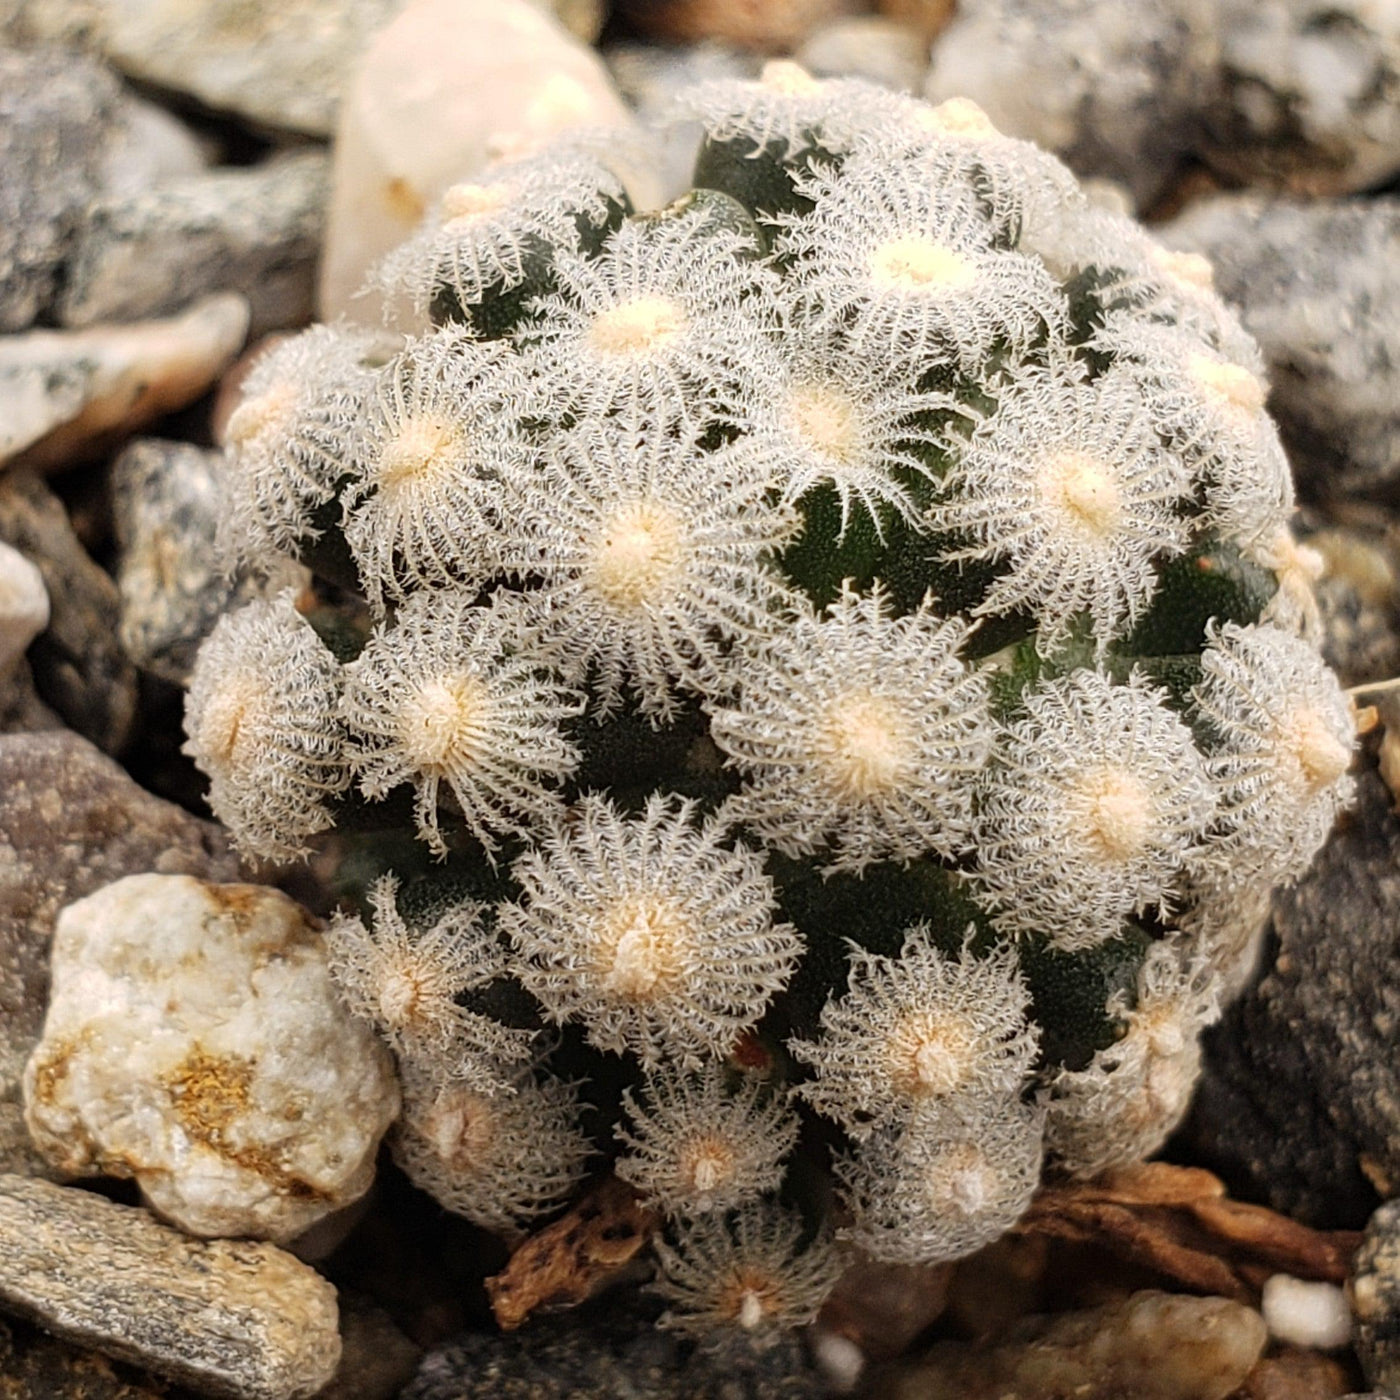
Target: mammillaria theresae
<point>823,664</point>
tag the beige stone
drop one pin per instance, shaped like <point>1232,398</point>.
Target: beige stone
<point>229,1318</point>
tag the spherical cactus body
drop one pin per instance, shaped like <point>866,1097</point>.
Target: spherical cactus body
<point>812,685</point>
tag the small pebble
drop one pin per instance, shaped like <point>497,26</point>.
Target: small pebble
<point>1306,1314</point>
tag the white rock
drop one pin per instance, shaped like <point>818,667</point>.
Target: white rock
<point>1304,1314</point>
<point>870,47</point>
<point>148,147</point>
<point>449,86</point>
<point>24,606</point>
<point>194,1042</point>
<point>64,394</point>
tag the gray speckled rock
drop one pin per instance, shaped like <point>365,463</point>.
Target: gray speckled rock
<point>1299,1102</point>
<point>1114,89</point>
<point>79,667</point>
<point>1309,97</point>
<point>1375,1297</point>
<point>57,112</point>
<point>1359,599</point>
<point>173,587</point>
<point>255,231</point>
<point>71,821</point>
<point>1318,286</point>
<point>230,1318</point>
<point>613,1350</point>
<point>1151,1346</point>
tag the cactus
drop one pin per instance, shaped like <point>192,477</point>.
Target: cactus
<point>811,686</point>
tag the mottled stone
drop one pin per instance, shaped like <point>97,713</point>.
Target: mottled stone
<point>255,230</point>
<point>79,667</point>
<point>870,47</point>
<point>447,87</point>
<point>376,1359</point>
<point>612,1349</point>
<point>1375,1299</point>
<point>1291,1374</point>
<point>1358,597</point>
<point>194,1041</point>
<point>67,395</point>
<point>1152,1346</point>
<point>57,112</point>
<point>24,605</point>
<point>1309,96</point>
<point>1299,1102</point>
<point>230,1318</point>
<point>71,821</point>
<point>1318,286</point>
<point>149,146</point>
<point>23,712</point>
<point>166,500</point>
<point>1114,89</point>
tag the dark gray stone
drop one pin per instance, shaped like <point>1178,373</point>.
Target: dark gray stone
<point>1318,285</point>
<point>153,252</point>
<point>1375,1300</point>
<point>56,115</point>
<point>613,1350</point>
<point>71,821</point>
<point>1299,1102</point>
<point>166,500</point>
<point>80,669</point>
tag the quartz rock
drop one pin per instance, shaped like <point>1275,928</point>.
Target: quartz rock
<point>79,666</point>
<point>57,113</point>
<point>255,231</point>
<point>194,1041</point>
<point>71,821</point>
<point>1375,1299</point>
<point>1299,1101</point>
<point>148,147</point>
<point>867,46</point>
<point>65,395</point>
<point>1309,97</point>
<point>166,499</point>
<point>24,605</point>
<point>1151,1346</point>
<point>446,88</point>
<point>1318,286</point>
<point>229,1318</point>
<point>1113,89</point>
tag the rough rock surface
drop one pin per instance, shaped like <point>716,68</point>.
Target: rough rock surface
<point>253,230</point>
<point>1113,89</point>
<point>1299,1103</point>
<point>609,1350</point>
<point>71,821</point>
<point>65,395</point>
<point>195,1042</point>
<point>1318,285</point>
<point>173,587</point>
<point>228,1317</point>
<point>1309,95</point>
<point>57,112</point>
<point>79,667</point>
<point>1375,1299</point>
<point>1152,1346</point>
<point>447,87</point>
<point>36,1366</point>
<point>1359,599</point>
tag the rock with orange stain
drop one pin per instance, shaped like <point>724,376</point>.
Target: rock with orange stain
<point>194,1042</point>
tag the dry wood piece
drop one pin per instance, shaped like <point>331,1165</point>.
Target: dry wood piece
<point>567,1262</point>
<point>1178,1222</point>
